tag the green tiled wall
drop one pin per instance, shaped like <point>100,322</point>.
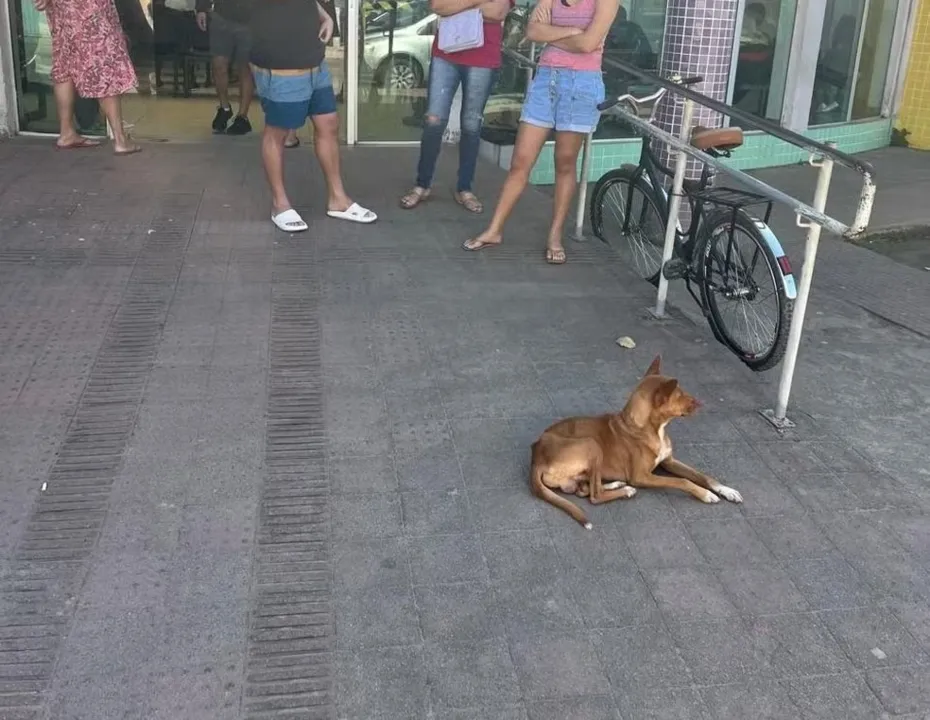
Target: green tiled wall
<point>759,150</point>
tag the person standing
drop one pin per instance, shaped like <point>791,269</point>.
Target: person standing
<point>230,46</point>
<point>563,97</point>
<point>293,81</point>
<point>476,70</point>
<point>90,59</point>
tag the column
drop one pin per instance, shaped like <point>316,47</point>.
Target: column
<point>699,37</point>
<point>913,120</point>
<point>8,120</point>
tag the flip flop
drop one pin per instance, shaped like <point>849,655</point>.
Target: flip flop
<point>132,151</point>
<point>296,143</point>
<point>469,201</point>
<point>474,245</point>
<point>414,198</point>
<point>79,145</point>
<point>289,221</point>
<point>555,256</point>
<point>354,213</point>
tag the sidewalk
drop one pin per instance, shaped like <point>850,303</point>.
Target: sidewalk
<point>250,476</point>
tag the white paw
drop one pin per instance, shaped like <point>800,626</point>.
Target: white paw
<point>615,485</point>
<point>710,498</point>
<point>588,526</point>
<point>630,492</point>
<point>729,493</point>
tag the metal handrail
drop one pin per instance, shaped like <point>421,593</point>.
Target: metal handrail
<point>772,128</point>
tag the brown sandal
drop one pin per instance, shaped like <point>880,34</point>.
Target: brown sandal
<point>469,201</point>
<point>555,256</point>
<point>414,198</point>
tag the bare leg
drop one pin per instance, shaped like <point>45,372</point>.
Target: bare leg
<point>567,147</point>
<point>246,89</point>
<point>326,145</point>
<point>530,140</point>
<point>68,135</point>
<point>273,160</point>
<point>706,481</point>
<point>113,110</point>
<point>221,80</point>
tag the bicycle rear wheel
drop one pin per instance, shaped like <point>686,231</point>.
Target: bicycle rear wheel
<point>625,214</point>
<point>743,289</point>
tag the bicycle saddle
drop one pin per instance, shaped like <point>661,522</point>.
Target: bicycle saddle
<point>725,138</point>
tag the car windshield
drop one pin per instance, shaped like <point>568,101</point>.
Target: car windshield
<point>408,13</point>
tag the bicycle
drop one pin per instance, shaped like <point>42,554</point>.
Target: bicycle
<point>708,253</point>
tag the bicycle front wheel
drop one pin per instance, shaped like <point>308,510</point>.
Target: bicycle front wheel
<point>743,289</point>
<point>625,214</point>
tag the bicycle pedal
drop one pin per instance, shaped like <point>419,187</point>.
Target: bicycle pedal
<point>675,269</point>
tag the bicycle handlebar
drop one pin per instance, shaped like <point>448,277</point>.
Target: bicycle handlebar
<point>655,97</point>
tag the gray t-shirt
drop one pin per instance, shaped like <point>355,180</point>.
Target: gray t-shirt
<point>286,34</point>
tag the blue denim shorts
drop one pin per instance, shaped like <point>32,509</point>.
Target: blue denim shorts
<point>564,100</point>
<point>290,97</point>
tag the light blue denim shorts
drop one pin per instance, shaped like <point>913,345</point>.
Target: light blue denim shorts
<point>564,100</point>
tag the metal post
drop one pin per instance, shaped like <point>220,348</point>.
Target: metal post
<point>778,416</point>
<point>674,205</point>
<point>583,188</point>
<point>531,67</point>
<point>864,209</point>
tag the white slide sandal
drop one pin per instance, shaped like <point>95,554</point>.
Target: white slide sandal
<point>289,221</point>
<point>355,213</point>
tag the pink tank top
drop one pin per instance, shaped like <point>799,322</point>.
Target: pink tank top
<point>578,15</point>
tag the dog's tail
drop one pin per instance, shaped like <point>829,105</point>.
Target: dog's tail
<point>544,493</point>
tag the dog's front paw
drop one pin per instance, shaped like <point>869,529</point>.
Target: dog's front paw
<point>615,485</point>
<point>628,492</point>
<point>709,497</point>
<point>729,493</point>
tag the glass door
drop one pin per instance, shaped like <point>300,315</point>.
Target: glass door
<point>395,40</point>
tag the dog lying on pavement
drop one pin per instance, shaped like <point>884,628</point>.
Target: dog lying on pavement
<point>577,455</point>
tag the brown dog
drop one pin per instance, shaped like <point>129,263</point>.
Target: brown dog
<point>577,455</point>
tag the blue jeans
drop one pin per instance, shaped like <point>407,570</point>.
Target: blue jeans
<point>444,79</point>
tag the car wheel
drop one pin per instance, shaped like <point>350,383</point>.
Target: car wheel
<point>401,73</point>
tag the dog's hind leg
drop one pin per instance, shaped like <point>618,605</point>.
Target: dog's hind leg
<point>676,467</point>
<point>648,479</point>
<point>601,493</point>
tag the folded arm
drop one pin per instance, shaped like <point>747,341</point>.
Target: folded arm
<point>495,10</point>
<point>594,35</point>
<point>540,28</point>
<point>444,8</point>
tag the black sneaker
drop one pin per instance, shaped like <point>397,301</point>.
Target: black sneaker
<point>240,126</point>
<point>223,116</point>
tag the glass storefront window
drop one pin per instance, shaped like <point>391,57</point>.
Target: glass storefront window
<point>762,60</point>
<point>855,49</point>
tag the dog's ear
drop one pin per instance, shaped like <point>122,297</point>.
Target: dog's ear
<point>664,392</point>
<point>656,367</point>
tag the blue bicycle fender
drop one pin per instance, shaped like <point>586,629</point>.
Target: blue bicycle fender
<point>791,289</point>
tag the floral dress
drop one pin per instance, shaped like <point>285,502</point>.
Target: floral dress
<point>89,48</point>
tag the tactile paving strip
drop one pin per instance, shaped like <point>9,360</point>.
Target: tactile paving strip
<point>39,591</point>
<point>289,664</point>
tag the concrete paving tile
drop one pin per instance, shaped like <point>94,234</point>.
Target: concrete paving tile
<point>436,559</point>
<point>797,645</point>
<point>689,594</point>
<point>459,614</point>
<point>557,666</point>
<point>428,472</point>
<point>902,689</point>
<point>433,513</point>
<point>467,675</point>
<point>382,684</point>
<point>641,659</point>
<point>587,708</point>
<point>378,617</point>
<point>874,637</point>
<point>760,699</point>
<point>847,696</point>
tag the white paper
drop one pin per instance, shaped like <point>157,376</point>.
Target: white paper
<point>462,31</point>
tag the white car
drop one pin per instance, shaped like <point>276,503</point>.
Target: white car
<point>399,59</point>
